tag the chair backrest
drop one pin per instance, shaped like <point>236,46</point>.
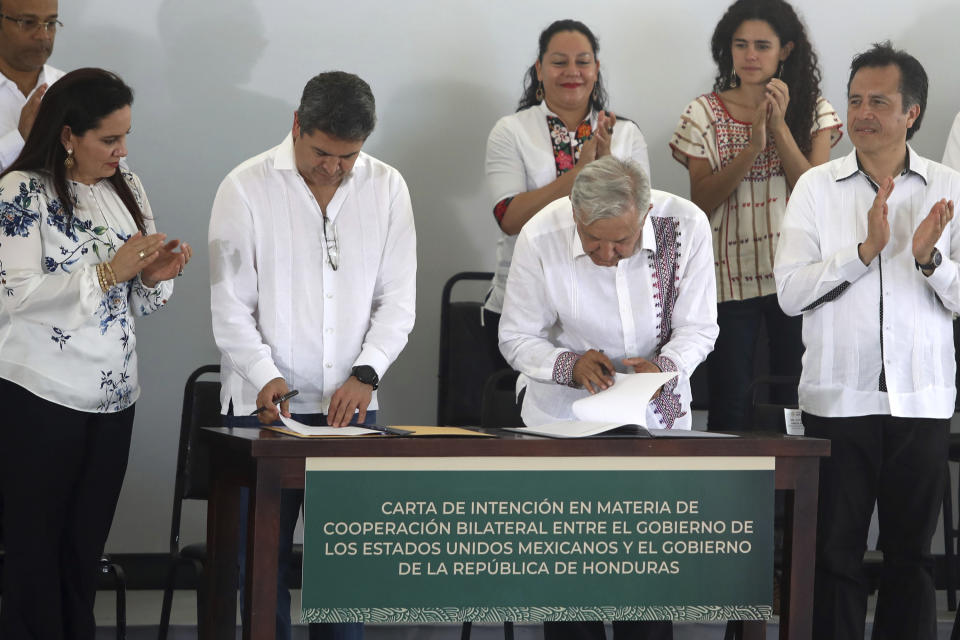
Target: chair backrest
<point>500,408</point>
<point>465,361</point>
<point>769,396</point>
<point>201,408</point>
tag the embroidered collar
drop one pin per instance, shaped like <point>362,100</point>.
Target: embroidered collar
<point>850,166</point>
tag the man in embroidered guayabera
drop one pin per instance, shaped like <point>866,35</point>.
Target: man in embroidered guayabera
<point>869,254</point>
<point>313,282</point>
<point>615,278</point>
<point>27,31</point>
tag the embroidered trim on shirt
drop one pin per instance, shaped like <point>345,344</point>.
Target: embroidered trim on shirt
<point>829,296</point>
<point>667,405</point>
<point>665,282</point>
<point>566,151</point>
<point>500,209</point>
<point>563,369</point>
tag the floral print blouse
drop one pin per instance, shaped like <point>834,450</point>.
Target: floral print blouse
<point>61,337</point>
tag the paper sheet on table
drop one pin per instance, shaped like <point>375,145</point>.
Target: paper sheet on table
<point>301,429</point>
<point>625,402</point>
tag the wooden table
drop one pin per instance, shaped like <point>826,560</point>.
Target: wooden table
<point>268,462</point>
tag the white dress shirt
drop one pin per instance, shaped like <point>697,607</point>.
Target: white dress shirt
<point>520,159</point>
<point>559,301</point>
<point>61,337</point>
<point>279,308</point>
<point>12,101</point>
<point>951,155</point>
<point>819,274</point>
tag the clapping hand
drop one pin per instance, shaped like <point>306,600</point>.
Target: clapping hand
<point>930,230</point>
<point>168,263</point>
<point>604,132</point>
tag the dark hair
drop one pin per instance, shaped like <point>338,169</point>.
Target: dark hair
<point>339,104</point>
<point>801,71</point>
<point>598,99</point>
<point>81,100</point>
<point>913,78</point>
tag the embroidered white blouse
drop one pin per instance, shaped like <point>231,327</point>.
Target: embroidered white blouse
<point>660,302</point>
<point>746,226</point>
<point>520,159</point>
<point>61,337</point>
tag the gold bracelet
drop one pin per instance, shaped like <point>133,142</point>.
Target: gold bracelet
<point>100,278</point>
<point>113,276</point>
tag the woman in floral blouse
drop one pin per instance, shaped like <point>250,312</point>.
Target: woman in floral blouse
<point>561,125</point>
<point>745,145</point>
<point>79,258</point>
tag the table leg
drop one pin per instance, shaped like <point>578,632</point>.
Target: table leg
<point>262,533</point>
<point>800,535</point>
<point>220,619</point>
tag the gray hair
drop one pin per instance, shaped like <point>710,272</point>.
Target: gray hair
<point>339,104</point>
<point>608,188</point>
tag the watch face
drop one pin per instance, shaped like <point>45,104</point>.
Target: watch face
<point>937,257</point>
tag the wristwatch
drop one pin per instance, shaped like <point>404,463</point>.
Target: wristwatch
<point>935,259</point>
<point>366,374</point>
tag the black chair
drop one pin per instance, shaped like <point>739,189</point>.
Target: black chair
<point>766,414</point>
<point>465,358</point>
<point>201,408</point>
<point>499,406</point>
<point>109,571</point>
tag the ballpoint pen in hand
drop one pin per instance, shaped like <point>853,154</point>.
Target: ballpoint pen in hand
<point>282,399</point>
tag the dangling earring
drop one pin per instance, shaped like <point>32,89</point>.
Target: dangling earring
<point>68,161</point>
<point>733,78</point>
<point>780,71</point>
<point>540,92</point>
<point>593,94</point>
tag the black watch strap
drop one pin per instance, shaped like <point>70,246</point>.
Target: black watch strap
<point>367,375</point>
<point>935,260</point>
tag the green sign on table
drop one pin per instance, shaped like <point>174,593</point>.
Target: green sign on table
<point>532,539</point>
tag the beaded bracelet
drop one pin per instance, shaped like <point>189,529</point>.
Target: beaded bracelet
<point>113,276</point>
<point>101,278</point>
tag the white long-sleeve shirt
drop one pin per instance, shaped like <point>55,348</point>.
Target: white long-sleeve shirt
<point>279,308</point>
<point>860,321</point>
<point>520,158</point>
<point>660,302</point>
<point>61,337</point>
<point>951,154</point>
<point>12,101</point>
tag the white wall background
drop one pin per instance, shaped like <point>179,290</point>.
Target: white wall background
<point>217,81</point>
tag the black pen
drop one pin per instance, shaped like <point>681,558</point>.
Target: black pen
<point>283,398</point>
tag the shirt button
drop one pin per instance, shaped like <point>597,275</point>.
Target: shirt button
<point>329,365</point>
<point>329,330</point>
<point>329,295</point>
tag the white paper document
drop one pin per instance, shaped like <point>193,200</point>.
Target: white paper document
<point>302,429</point>
<point>625,402</point>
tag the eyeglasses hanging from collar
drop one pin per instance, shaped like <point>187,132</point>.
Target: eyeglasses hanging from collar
<point>330,238</point>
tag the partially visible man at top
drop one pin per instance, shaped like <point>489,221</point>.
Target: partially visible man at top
<point>27,31</point>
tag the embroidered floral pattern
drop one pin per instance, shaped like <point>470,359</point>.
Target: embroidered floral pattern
<point>566,150</point>
<point>500,209</point>
<point>667,404</point>
<point>16,217</point>
<point>59,337</point>
<point>563,368</point>
<point>666,279</point>
<point>72,245</point>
